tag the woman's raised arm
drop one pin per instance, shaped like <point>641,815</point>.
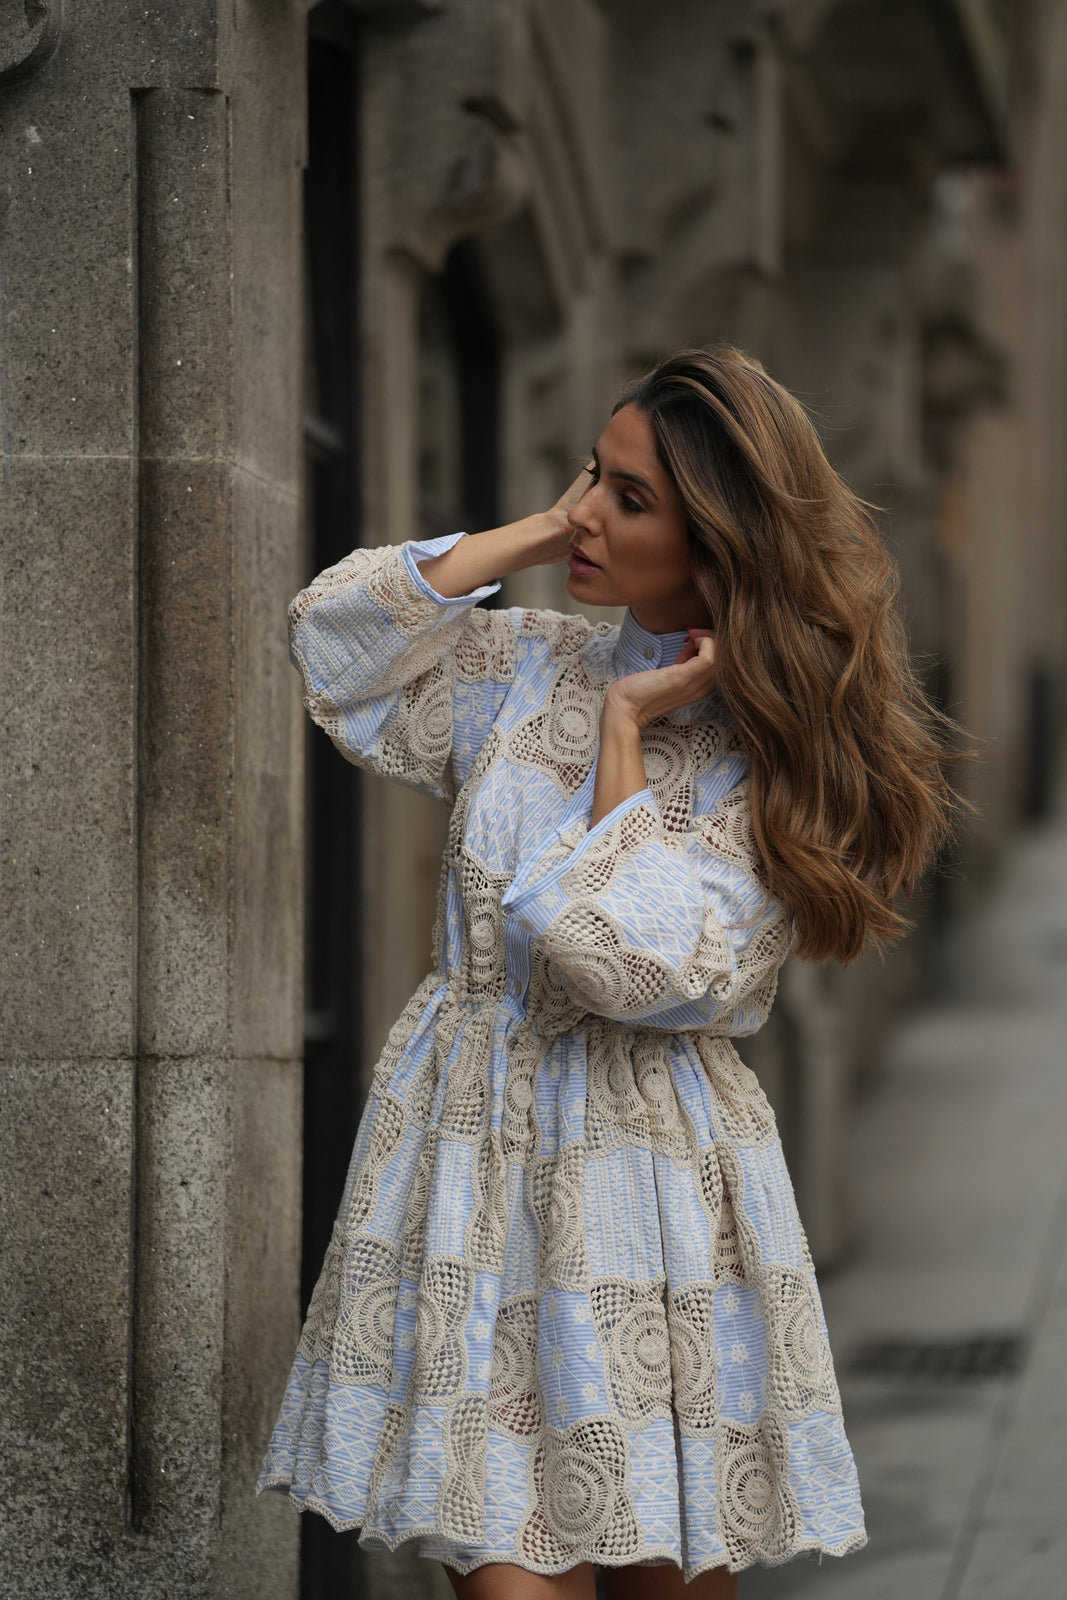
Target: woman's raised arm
<point>486,557</point>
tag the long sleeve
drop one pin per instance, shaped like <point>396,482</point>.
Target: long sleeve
<point>659,928</point>
<point>403,680</point>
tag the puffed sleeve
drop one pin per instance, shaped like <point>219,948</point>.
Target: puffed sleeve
<point>658,928</point>
<point>404,681</point>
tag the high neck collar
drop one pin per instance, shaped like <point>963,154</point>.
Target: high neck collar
<point>638,650</point>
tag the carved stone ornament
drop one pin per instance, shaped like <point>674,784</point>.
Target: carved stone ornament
<point>29,32</point>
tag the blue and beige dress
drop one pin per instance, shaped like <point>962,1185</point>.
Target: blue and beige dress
<point>568,1312</point>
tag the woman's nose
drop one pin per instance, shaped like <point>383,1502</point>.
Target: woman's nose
<point>584,513</point>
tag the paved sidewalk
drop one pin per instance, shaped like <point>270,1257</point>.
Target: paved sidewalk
<point>960,1177</point>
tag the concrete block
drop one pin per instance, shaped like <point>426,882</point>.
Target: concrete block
<point>133,1474</point>
<point>258,1538</point>
<point>267,158</point>
<point>65,198</point>
<point>218,1318</point>
<point>65,1171</point>
<point>182,1155</point>
<point>268,821</point>
<point>66,758</point>
<point>183,276</point>
<point>218,1237</point>
<point>148,43</point>
<point>118,1449</point>
<point>185,757</point>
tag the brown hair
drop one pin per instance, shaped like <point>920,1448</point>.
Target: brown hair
<point>848,792</point>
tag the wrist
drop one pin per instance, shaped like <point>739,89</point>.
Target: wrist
<point>517,545</point>
<point>620,719</point>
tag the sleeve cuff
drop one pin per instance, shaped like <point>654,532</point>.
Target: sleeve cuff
<point>425,550</point>
<point>533,902</point>
<point>643,797</point>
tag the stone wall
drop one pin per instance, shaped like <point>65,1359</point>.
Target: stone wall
<point>151,526</point>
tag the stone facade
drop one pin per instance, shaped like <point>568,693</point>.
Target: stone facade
<point>623,179</point>
<point>151,529</point>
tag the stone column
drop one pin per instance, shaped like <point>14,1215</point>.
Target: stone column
<point>150,522</point>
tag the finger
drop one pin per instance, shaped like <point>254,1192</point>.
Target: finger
<point>574,493</point>
<point>696,662</point>
<point>703,647</point>
<point>694,671</point>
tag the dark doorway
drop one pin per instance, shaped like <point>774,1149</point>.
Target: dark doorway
<point>330,1562</point>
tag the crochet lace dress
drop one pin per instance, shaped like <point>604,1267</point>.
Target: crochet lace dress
<point>568,1312</point>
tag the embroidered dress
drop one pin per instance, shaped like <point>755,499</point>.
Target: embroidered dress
<point>568,1312</point>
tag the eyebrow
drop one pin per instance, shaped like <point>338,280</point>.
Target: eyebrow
<point>627,477</point>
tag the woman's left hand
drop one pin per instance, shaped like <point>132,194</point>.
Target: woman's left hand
<point>646,695</point>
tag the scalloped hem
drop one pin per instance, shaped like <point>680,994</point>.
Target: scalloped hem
<point>373,1541</point>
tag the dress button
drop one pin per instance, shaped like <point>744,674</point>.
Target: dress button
<point>649,653</point>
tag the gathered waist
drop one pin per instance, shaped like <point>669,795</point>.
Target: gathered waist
<point>513,1010</point>
<point>554,1016</point>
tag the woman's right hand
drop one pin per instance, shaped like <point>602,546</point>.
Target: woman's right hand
<point>571,496</point>
<point>556,524</point>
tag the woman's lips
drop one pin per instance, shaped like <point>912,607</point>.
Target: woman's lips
<point>579,563</point>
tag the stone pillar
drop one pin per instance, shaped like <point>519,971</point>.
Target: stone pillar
<point>150,521</point>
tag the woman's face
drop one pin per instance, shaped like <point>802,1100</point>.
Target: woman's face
<point>630,545</point>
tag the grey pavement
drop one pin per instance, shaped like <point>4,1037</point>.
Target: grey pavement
<point>959,1161</point>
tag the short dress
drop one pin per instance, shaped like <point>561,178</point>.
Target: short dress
<point>568,1312</point>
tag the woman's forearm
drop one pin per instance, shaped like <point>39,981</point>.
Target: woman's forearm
<point>620,763</point>
<point>486,557</point>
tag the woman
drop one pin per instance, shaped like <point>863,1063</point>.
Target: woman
<point>568,1318</point>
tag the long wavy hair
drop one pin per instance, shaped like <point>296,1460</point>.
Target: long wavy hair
<point>847,781</point>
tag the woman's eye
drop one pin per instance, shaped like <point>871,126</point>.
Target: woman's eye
<point>628,503</point>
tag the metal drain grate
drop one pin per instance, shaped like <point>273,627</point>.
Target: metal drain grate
<point>960,1360</point>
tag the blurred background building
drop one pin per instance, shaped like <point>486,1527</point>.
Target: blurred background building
<point>278,280</point>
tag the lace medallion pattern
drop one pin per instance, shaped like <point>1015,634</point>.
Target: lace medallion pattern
<point>568,1311</point>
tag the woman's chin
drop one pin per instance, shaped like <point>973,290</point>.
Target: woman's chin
<point>583,586</point>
